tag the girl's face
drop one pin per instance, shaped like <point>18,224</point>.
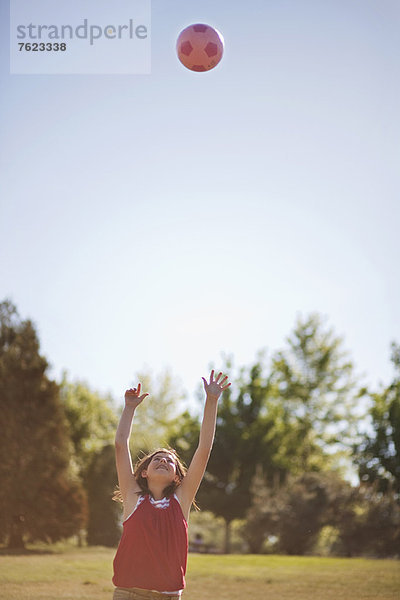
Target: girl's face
<point>162,465</point>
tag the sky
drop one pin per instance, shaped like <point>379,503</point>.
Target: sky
<point>156,221</point>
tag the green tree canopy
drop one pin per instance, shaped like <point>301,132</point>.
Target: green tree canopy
<point>308,503</point>
<point>104,514</point>
<point>37,487</point>
<point>92,422</point>
<point>378,455</point>
<point>368,523</point>
<point>313,381</point>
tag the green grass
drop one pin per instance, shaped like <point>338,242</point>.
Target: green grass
<point>85,574</point>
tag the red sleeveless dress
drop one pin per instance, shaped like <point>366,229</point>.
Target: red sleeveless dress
<point>152,552</point>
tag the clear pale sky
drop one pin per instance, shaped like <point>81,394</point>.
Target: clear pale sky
<point>163,219</point>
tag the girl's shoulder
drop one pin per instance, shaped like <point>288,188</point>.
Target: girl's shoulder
<point>132,504</point>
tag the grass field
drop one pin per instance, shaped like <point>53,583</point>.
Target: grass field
<point>85,574</point>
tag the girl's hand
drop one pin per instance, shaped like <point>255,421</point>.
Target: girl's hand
<point>215,388</point>
<point>133,397</point>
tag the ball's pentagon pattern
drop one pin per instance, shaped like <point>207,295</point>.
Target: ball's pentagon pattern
<point>200,28</point>
<point>211,49</point>
<point>200,47</point>
<point>186,48</point>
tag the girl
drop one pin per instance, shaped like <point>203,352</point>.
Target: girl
<point>150,563</point>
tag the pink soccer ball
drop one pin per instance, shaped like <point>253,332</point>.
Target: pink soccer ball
<point>200,47</point>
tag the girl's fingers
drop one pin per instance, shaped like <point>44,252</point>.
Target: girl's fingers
<point>217,380</point>
<point>225,387</point>
<point>136,392</point>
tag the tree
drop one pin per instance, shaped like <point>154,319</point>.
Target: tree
<point>361,520</point>
<point>378,455</point>
<point>369,523</point>
<point>310,393</point>
<point>308,504</point>
<point>91,418</point>
<point>262,517</point>
<point>39,496</point>
<point>294,512</point>
<point>313,381</point>
<point>92,422</point>
<point>103,526</point>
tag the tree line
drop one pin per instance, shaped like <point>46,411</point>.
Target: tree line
<point>290,431</point>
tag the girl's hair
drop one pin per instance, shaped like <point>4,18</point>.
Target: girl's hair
<point>143,463</point>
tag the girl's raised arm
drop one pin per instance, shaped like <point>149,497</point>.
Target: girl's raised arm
<point>126,480</point>
<point>187,490</point>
